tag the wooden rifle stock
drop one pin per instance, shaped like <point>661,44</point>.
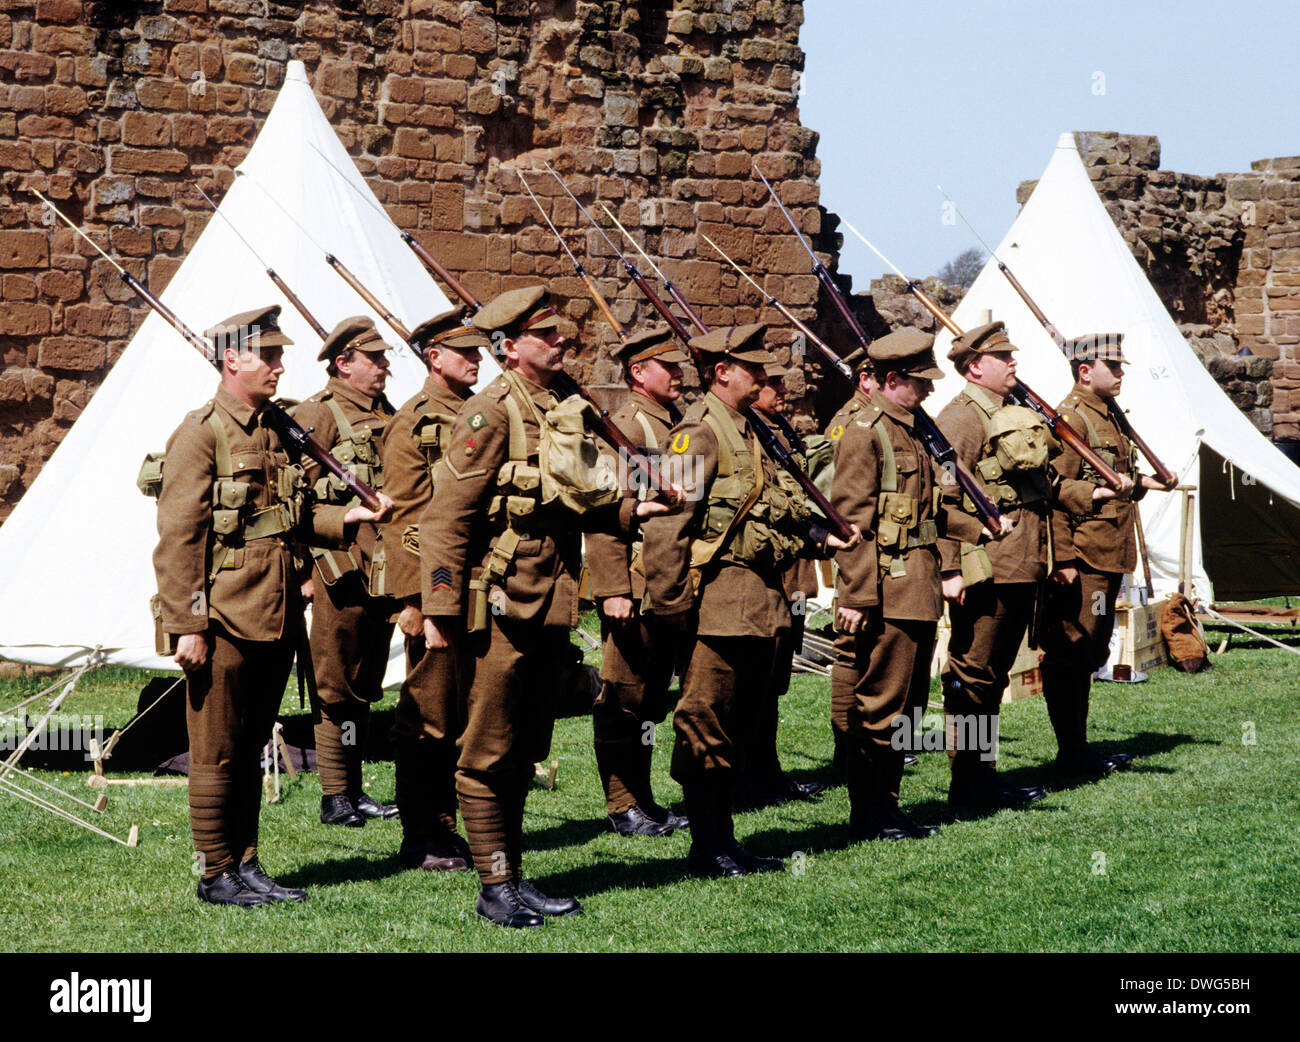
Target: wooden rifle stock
<point>1164,475</point>
<point>368,297</point>
<point>298,305</point>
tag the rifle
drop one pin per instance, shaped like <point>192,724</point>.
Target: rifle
<point>292,434</point>
<point>1020,394</point>
<point>280,284</point>
<point>772,445</point>
<point>344,273</point>
<point>940,449</point>
<point>1164,475</point>
<point>564,384</point>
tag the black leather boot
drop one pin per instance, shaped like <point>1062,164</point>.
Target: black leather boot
<point>229,889</point>
<point>260,883</point>
<point>500,903</point>
<point>539,902</point>
<point>338,810</point>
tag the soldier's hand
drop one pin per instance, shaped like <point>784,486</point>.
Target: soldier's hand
<point>651,507</point>
<point>410,620</point>
<point>360,513</point>
<point>1067,576</point>
<point>191,651</point>
<point>1102,492</point>
<point>617,609</point>
<point>308,590</point>
<point>848,620</point>
<point>834,542</point>
<point>435,636</point>
<point>954,589</point>
<point>1005,528</point>
<point>1125,483</point>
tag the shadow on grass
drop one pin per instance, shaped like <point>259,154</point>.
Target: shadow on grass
<point>355,869</point>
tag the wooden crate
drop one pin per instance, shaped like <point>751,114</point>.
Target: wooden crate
<point>1141,645</point>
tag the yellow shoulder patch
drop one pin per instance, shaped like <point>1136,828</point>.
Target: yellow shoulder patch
<point>836,432</point>
<point>681,442</point>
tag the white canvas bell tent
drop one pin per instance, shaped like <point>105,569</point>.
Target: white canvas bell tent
<point>76,551</point>
<point>1067,253</point>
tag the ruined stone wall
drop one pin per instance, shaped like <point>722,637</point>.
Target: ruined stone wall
<point>1223,254</point>
<point>660,109</point>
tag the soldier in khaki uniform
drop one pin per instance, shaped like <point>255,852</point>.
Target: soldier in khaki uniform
<point>639,654</point>
<point>887,592</point>
<point>714,572</point>
<point>1085,585</point>
<point>844,669</point>
<point>494,554</point>
<point>426,721</point>
<point>229,502</point>
<point>764,782</point>
<point>991,590</point>
<point>350,630</point>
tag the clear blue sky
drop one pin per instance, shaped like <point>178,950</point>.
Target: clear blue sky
<point>973,96</point>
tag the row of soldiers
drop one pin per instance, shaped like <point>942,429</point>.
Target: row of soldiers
<point>476,554</point>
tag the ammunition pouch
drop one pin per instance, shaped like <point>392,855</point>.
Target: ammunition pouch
<point>432,432</point>
<point>149,480</point>
<point>1007,488</point>
<point>358,451</point>
<point>164,642</point>
<point>975,564</point>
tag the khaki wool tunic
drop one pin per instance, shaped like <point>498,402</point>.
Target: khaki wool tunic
<point>250,600</point>
<point>1021,556</point>
<point>1102,534</point>
<point>856,493</point>
<point>408,482</point>
<point>542,580</point>
<point>736,600</point>
<point>364,413</point>
<point>609,557</point>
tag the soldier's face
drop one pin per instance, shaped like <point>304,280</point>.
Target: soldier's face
<point>255,372</point>
<point>995,370</point>
<point>458,366</point>
<point>907,391</point>
<point>771,396</point>
<point>537,356</point>
<point>747,380</point>
<point>366,371</point>
<point>1103,377</point>
<point>661,381</point>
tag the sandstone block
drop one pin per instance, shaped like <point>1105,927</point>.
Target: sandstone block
<point>71,353</point>
<point>24,249</point>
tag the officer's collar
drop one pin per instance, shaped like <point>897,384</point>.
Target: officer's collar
<point>648,405</point>
<point>1090,397</point>
<point>736,417</point>
<point>892,409</point>
<point>340,388</point>
<point>441,393</point>
<point>241,411</point>
<point>983,396</point>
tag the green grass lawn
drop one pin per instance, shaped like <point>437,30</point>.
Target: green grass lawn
<point>1196,849</point>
